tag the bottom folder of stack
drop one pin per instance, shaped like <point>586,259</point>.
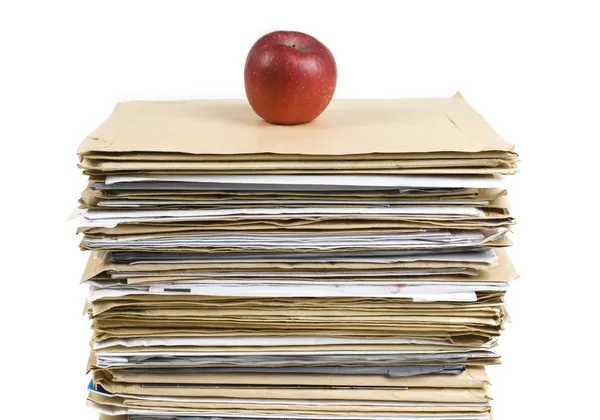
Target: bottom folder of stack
<point>361,392</point>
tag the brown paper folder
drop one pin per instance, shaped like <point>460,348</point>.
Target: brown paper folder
<point>486,302</point>
<point>461,395</point>
<point>225,196</point>
<point>401,166</point>
<point>349,127</point>
<point>300,406</point>
<point>161,156</point>
<point>99,264</point>
<point>472,377</point>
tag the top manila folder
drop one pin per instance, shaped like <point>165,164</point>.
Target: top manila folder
<point>415,135</point>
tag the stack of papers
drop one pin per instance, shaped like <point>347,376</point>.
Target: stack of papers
<point>350,268</point>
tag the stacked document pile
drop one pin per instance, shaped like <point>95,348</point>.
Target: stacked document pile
<point>350,268</point>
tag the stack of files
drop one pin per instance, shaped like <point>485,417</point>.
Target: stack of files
<point>353,268</point>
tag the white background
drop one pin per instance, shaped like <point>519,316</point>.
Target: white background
<point>529,67</point>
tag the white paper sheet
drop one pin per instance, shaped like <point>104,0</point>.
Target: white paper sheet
<point>243,341</point>
<point>319,242</point>
<point>300,202</point>
<point>354,292</point>
<point>120,355</point>
<point>374,181</point>
<point>268,211</point>
<point>197,286</point>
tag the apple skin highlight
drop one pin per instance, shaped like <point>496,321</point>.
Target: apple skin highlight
<point>290,77</point>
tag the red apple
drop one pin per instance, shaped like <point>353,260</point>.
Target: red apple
<point>290,77</point>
